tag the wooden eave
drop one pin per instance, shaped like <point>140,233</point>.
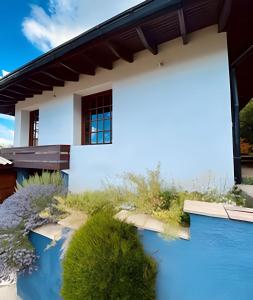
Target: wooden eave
<point>144,26</point>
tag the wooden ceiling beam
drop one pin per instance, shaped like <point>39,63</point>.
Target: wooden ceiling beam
<point>15,94</point>
<point>46,79</point>
<point>98,61</point>
<point>61,75</point>
<point>120,52</point>
<point>147,41</point>
<point>182,26</point>
<point>5,95</point>
<point>25,90</point>
<point>34,84</point>
<point>248,52</point>
<point>6,100</point>
<point>224,15</point>
<point>79,67</point>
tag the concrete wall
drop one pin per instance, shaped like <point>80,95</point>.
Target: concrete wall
<point>173,108</point>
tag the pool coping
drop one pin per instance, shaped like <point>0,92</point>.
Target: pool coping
<point>140,220</point>
<point>219,210</point>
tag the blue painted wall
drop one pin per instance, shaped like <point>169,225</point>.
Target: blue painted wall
<point>216,264</point>
<point>45,283</point>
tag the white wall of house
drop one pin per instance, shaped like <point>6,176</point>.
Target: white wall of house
<point>172,109</point>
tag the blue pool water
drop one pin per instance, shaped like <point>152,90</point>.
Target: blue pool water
<point>215,264</point>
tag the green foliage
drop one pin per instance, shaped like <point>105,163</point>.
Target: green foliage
<point>149,194</point>
<point>234,196</point>
<point>246,122</point>
<point>146,192</point>
<point>106,260</point>
<point>46,178</point>
<point>92,202</point>
<point>247,180</point>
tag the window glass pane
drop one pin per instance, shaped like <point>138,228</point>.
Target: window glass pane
<point>93,114</point>
<point>100,125</point>
<point>97,119</point>
<point>94,138</point>
<point>107,124</point>
<point>100,138</point>
<point>93,126</point>
<point>107,115</point>
<point>100,113</point>
<point>107,137</point>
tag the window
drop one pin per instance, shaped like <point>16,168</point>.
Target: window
<point>34,128</point>
<point>97,119</point>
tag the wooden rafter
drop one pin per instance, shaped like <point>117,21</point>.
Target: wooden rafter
<point>5,100</point>
<point>33,83</point>
<point>23,89</point>
<point>224,15</point>
<point>99,62</point>
<point>47,79</point>
<point>147,42</point>
<point>120,52</point>
<point>15,94</point>
<point>62,75</point>
<point>242,57</point>
<point>182,26</point>
<point>4,95</point>
<point>79,67</point>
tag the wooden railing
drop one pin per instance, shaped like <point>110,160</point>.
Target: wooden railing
<point>55,157</point>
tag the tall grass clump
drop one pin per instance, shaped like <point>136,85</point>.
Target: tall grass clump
<point>46,178</point>
<point>149,193</point>
<point>106,260</point>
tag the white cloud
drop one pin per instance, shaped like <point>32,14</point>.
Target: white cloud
<point>7,117</point>
<point>4,73</point>
<point>67,18</point>
<point>6,136</point>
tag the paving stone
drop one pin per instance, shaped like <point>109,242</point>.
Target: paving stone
<point>216,210</point>
<point>51,231</point>
<point>74,221</point>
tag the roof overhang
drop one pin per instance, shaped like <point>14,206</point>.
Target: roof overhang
<point>144,26</point>
<point>5,163</point>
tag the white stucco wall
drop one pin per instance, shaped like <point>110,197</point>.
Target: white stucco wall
<point>173,108</point>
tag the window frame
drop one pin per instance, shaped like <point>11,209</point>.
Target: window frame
<point>34,118</point>
<point>84,118</point>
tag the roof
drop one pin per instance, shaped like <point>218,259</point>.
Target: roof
<point>144,26</point>
<point>4,162</point>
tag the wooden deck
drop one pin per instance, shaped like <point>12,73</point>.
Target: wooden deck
<point>53,157</point>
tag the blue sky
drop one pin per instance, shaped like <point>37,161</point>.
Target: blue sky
<point>32,27</point>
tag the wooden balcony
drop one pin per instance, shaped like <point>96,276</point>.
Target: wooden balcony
<point>55,157</point>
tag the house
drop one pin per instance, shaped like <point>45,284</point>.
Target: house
<point>7,179</point>
<point>162,82</point>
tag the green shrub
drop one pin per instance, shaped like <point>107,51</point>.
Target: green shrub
<point>46,178</point>
<point>92,202</point>
<point>247,180</point>
<point>106,260</point>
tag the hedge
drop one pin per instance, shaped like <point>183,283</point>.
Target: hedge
<point>106,261</point>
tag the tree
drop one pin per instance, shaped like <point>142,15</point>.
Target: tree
<point>246,122</point>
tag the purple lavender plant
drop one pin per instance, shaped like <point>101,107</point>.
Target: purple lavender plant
<point>18,215</point>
